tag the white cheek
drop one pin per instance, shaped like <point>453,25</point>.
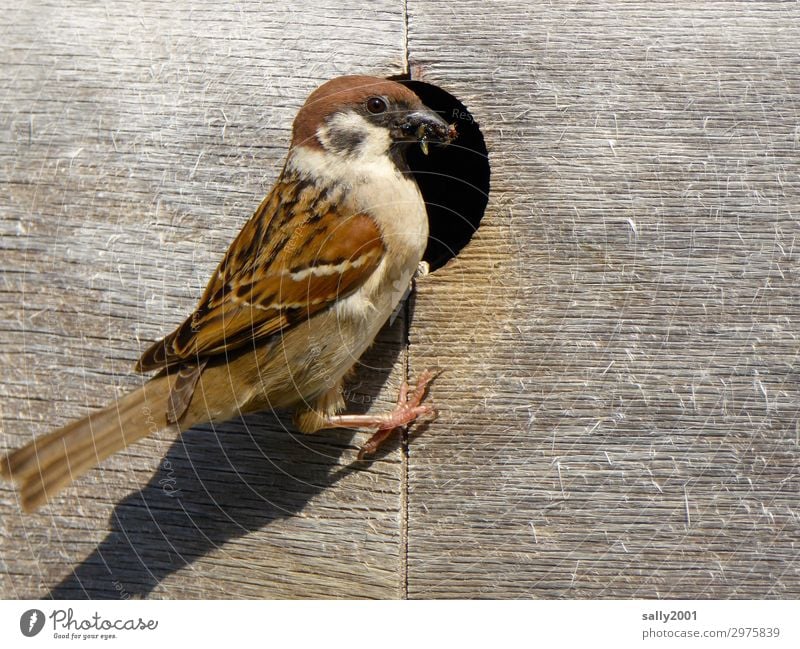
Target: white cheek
<point>375,141</point>
<point>375,144</point>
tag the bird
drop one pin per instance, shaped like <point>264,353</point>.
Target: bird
<point>301,293</point>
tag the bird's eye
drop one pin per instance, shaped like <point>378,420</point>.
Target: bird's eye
<point>376,105</point>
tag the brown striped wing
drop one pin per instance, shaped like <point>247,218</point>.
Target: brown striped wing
<point>297,255</point>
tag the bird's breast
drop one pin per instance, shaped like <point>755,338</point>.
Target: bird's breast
<point>372,184</point>
<point>394,201</point>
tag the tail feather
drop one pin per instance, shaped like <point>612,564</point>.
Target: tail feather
<point>49,463</point>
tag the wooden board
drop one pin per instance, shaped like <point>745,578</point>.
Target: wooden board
<point>137,139</point>
<point>618,408</point>
<point>620,405</point>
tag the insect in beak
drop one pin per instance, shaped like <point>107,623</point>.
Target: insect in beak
<point>422,134</point>
<point>424,127</point>
<point>443,137</point>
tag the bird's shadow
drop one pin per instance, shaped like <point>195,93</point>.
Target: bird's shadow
<point>220,482</point>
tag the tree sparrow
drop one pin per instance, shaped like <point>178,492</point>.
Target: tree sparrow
<point>301,293</point>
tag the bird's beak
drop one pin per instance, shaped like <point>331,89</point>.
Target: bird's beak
<point>425,126</point>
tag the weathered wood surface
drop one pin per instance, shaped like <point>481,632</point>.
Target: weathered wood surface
<point>137,137</point>
<point>618,411</point>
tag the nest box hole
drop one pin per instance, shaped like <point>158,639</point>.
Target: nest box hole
<point>453,180</point>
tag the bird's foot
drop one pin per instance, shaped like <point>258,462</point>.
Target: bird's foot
<point>408,410</point>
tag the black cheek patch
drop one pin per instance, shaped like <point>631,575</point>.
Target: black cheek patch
<point>345,141</point>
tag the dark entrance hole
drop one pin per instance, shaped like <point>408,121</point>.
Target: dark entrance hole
<point>454,180</point>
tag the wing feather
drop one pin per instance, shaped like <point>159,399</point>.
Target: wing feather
<point>296,256</point>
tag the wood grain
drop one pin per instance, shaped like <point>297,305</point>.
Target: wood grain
<point>620,401</point>
<point>137,138</point>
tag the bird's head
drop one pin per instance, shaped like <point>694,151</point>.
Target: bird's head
<point>360,117</point>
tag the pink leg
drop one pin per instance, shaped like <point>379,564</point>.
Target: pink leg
<point>408,410</point>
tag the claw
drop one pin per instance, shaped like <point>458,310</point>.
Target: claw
<point>410,409</point>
